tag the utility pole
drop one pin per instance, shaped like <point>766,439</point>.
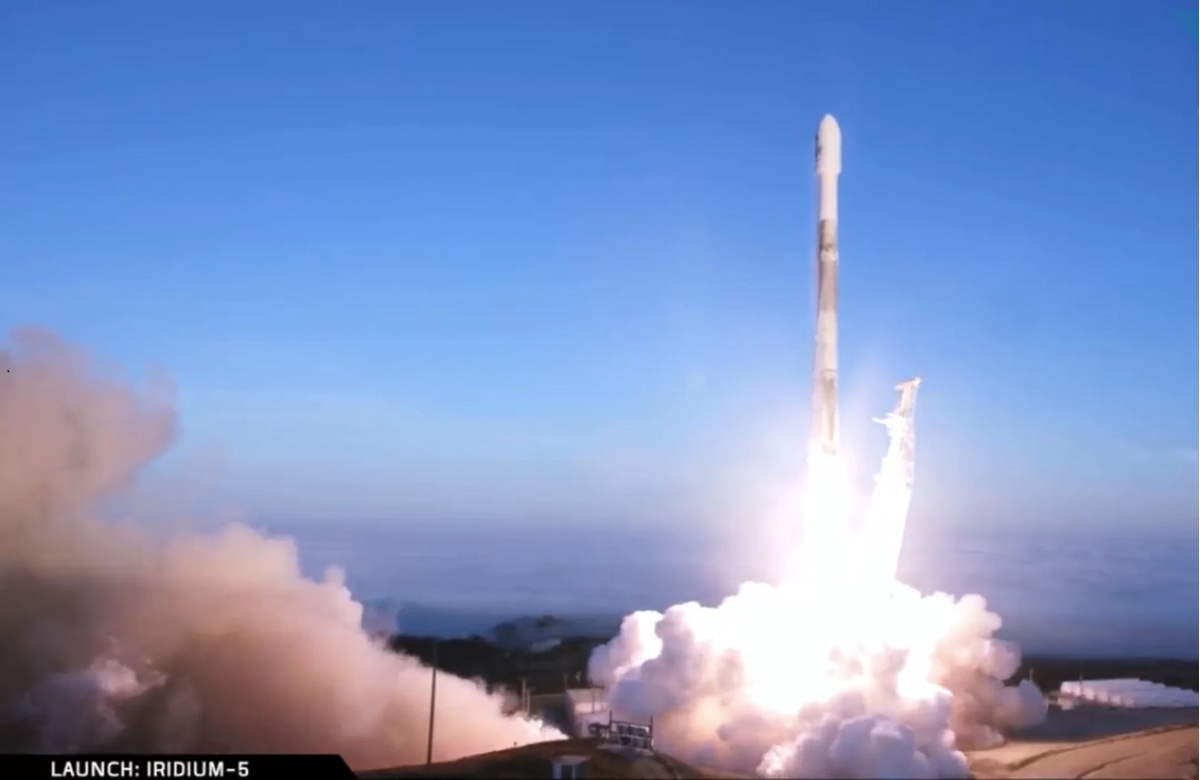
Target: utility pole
<point>432,702</point>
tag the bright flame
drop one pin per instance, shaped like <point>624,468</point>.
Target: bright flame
<point>827,511</point>
<point>839,672</point>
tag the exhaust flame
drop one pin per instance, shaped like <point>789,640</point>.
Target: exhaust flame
<point>827,511</point>
<point>839,672</point>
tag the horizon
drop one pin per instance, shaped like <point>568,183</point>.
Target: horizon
<point>1061,593</point>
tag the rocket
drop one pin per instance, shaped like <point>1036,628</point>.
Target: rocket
<point>824,400</point>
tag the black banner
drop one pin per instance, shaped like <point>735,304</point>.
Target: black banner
<point>143,767</point>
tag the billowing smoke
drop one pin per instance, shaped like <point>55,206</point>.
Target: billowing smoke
<point>790,683</point>
<point>841,672</point>
<point>115,639</point>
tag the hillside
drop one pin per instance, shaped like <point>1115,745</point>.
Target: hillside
<point>545,674</point>
<point>533,761</point>
<point>1167,752</point>
<point>1164,752</point>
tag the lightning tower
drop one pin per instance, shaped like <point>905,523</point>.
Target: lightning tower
<point>901,442</point>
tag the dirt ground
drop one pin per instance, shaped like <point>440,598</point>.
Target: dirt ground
<point>1098,743</point>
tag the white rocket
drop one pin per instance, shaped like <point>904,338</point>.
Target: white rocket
<point>829,166</point>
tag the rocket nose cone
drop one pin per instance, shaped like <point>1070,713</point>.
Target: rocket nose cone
<point>829,146</point>
<point>828,130</point>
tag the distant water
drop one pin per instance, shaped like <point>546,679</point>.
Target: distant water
<point>1058,593</point>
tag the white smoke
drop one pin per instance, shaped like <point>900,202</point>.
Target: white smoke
<point>787,684</point>
<point>115,640</point>
<point>841,672</point>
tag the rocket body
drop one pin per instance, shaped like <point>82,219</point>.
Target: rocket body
<point>829,167</point>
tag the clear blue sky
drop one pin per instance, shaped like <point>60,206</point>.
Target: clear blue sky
<point>523,261</point>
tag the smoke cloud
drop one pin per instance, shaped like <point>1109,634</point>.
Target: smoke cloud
<point>787,683</point>
<point>116,639</point>
<point>840,672</point>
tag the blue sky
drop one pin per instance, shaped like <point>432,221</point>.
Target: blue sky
<point>552,262</point>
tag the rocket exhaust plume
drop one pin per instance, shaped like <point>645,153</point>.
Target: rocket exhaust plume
<point>882,531</point>
<point>841,671</point>
<point>116,639</point>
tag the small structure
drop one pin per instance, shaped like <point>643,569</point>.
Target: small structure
<point>631,736</point>
<point>569,768</point>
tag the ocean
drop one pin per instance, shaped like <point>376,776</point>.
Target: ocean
<point>1058,593</point>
